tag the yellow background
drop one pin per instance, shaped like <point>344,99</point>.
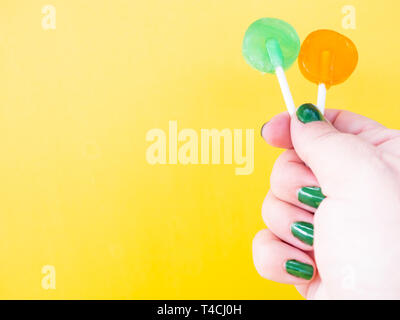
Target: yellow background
<point>76,191</point>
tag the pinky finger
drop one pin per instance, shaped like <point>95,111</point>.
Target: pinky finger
<point>280,262</point>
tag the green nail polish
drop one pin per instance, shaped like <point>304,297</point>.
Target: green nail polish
<point>304,231</point>
<point>262,128</point>
<point>308,113</point>
<point>299,269</point>
<point>311,196</point>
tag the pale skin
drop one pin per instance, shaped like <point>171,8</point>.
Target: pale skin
<point>356,163</point>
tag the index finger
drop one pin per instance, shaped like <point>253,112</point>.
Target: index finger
<point>276,132</point>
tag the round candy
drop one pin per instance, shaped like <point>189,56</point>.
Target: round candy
<point>327,57</point>
<point>270,42</point>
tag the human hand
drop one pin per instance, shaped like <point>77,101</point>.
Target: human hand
<point>348,247</point>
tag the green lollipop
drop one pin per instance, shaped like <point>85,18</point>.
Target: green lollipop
<point>272,45</point>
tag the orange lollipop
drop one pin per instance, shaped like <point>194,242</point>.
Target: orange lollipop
<point>327,58</point>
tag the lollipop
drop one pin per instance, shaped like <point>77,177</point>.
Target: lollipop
<point>272,45</point>
<point>327,58</point>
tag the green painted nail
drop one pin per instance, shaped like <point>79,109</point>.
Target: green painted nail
<point>311,196</point>
<point>299,269</point>
<point>308,113</point>
<point>304,231</point>
<point>262,128</point>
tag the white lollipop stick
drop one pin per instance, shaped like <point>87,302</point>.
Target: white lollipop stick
<point>321,97</point>
<point>287,95</point>
<point>276,57</point>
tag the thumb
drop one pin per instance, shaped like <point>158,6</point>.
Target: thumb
<point>335,158</point>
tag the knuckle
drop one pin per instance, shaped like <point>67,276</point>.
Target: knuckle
<point>265,209</point>
<point>278,170</point>
<point>260,254</point>
<point>328,136</point>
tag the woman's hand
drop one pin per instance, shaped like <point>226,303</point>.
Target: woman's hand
<point>346,245</point>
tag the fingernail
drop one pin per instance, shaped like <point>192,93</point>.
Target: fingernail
<point>308,113</point>
<point>311,196</point>
<point>304,231</point>
<point>299,269</point>
<point>262,128</point>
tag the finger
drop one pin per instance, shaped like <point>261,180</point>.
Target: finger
<point>391,144</point>
<point>326,151</point>
<point>349,122</point>
<point>291,180</point>
<point>280,262</point>
<point>289,223</point>
<point>366,128</point>
<point>276,132</point>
